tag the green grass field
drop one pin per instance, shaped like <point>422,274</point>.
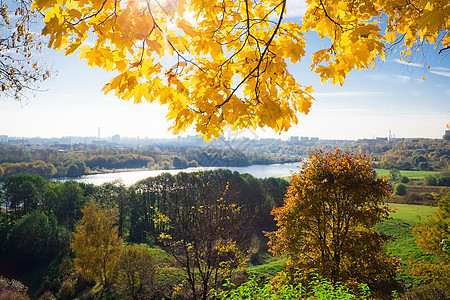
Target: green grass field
<point>412,214</point>
<point>409,174</point>
<point>400,229</point>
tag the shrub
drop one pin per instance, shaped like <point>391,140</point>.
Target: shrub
<point>400,189</point>
<point>47,296</point>
<point>413,198</point>
<point>430,180</point>
<point>424,292</point>
<point>280,288</point>
<point>423,165</point>
<point>404,179</point>
<point>66,291</point>
<point>443,178</point>
<point>11,289</point>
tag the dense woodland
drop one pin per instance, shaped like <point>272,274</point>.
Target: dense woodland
<point>203,235</point>
<point>39,216</point>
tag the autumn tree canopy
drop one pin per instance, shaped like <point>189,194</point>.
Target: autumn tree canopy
<point>326,224</point>
<point>221,63</point>
<point>96,244</point>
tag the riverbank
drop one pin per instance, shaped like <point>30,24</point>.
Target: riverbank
<point>129,176</point>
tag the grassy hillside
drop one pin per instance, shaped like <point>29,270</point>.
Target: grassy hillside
<point>410,174</point>
<point>413,214</point>
<point>400,227</point>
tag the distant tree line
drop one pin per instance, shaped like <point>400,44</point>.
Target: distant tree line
<point>76,160</point>
<point>401,154</point>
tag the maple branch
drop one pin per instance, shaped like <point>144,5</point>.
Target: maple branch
<point>92,15</point>
<point>444,49</point>
<point>283,3</point>
<point>169,42</point>
<point>328,16</point>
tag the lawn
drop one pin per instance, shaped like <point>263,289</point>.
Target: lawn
<point>400,229</point>
<point>407,173</point>
<point>412,214</point>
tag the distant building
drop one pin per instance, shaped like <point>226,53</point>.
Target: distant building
<point>304,139</point>
<point>294,139</point>
<point>115,138</point>
<point>447,135</point>
<point>314,139</point>
<point>18,141</point>
<point>381,139</point>
<point>3,138</point>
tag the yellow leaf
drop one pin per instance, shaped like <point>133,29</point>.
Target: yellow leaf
<point>186,26</point>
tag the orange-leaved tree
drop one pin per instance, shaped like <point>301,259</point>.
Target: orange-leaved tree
<point>327,222</point>
<point>224,62</point>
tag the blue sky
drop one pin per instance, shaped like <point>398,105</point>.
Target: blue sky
<point>392,96</point>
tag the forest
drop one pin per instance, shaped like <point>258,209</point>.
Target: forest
<point>76,160</point>
<point>213,234</point>
<point>39,216</point>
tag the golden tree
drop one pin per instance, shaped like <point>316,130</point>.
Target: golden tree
<point>327,221</point>
<point>216,63</point>
<point>97,245</point>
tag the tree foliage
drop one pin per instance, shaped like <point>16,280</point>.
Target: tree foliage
<point>36,237</point>
<point>201,226</point>
<point>327,221</point>
<point>433,238</point>
<point>23,193</point>
<point>96,244</point>
<point>19,70</point>
<point>136,273</point>
<point>228,59</point>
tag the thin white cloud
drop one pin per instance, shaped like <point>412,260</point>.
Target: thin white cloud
<point>435,70</point>
<point>447,92</point>
<point>441,73</point>
<point>402,78</point>
<point>408,63</point>
<point>391,77</point>
<point>350,110</point>
<point>440,69</point>
<point>349,94</point>
<point>426,114</point>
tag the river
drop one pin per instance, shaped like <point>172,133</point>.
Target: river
<point>259,171</point>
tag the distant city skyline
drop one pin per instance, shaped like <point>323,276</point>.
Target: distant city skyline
<point>116,138</point>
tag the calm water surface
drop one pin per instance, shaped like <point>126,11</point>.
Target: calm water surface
<point>260,171</point>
